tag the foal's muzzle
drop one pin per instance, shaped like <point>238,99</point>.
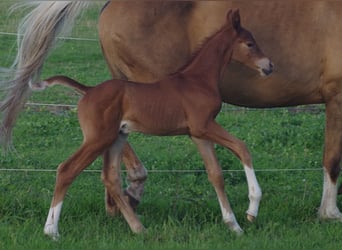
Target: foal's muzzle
<point>265,66</point>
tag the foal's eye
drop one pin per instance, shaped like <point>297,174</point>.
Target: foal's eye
<point>250,45</point>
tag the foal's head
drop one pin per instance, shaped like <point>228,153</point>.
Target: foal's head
<point>246,50</point>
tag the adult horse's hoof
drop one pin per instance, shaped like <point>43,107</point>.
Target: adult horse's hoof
<point>331,214</point>
<point>235,227</point>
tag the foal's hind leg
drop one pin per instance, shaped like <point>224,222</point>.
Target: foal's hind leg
<point>112,180</point>
<point>206,149</point>
<point>66,173</point>
<point>215,133</point>
<point>136,176</point>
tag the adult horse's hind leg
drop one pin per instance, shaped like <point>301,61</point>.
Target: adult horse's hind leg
<point>136,176</point>
<point>215,133</point>
<point>206,149</point>
<point>111,178</point>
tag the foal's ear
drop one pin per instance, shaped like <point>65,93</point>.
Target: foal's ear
<point>234,17</point>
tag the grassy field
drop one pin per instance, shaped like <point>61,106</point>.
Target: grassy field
<point>179,208</point>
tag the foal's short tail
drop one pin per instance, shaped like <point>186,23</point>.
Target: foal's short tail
<point>61,80</point>
<point>37,35</point>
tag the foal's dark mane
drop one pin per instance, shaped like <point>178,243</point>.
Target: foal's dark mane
<point>197,51</point>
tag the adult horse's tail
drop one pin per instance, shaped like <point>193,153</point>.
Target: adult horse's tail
<point>37,35</point>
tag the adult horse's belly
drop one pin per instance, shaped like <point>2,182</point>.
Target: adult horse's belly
<point>242,86</point>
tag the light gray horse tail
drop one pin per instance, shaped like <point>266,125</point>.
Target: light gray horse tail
<point>37,36</point>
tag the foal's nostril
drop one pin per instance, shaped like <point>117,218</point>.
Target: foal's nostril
<point>271,66</point>
<point>265,66</point>
<point>267,71</point>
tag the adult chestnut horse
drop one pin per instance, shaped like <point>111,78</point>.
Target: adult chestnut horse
<point>183,103</point>
<point>144,41</point>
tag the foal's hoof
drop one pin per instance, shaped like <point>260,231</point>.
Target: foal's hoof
<point>50,231</point>
<point>237,230</point>
<point>138,229</point>
<point>234,227</point>
<point>251,218</point>
<point>112,211</point>
<point>131,200</point>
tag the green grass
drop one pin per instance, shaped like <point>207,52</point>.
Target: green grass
<point>179,210</point>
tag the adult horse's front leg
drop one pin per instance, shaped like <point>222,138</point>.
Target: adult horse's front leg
<point>332,159</point>
<point>136,176</point>
<point>206,149</point>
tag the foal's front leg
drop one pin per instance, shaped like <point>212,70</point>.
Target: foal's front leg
<point>206,149</point>
<point>217,134</point>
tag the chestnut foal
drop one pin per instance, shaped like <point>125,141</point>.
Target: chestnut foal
<point>185,103</point>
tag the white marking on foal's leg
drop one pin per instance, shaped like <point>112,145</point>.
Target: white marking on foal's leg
<point>51,225</point>
<point>329,209</point>
<point>254,193</point>
<point>230,220</point>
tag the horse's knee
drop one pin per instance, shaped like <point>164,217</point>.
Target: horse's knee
<point>64,176</point>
